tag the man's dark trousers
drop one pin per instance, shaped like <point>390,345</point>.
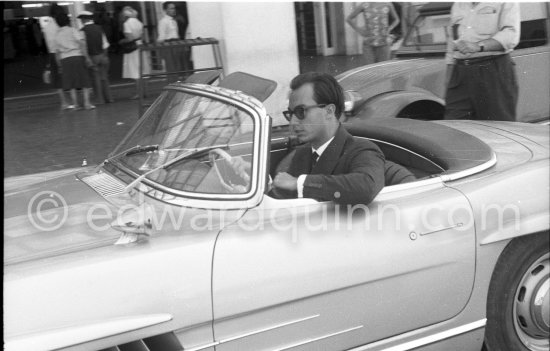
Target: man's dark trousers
<point>486,89</point>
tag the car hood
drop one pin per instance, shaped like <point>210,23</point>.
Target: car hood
<point>47,214</point>
<point>416,74</point>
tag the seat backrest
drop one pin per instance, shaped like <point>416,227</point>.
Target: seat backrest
<point>396,174</point>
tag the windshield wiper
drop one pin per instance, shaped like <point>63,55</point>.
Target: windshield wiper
<point>185,155</point>
<point>137,149</point>
<point>142,149</point>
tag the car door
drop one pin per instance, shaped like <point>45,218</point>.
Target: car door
<point>301,274</point>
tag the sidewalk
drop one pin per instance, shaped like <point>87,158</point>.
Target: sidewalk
<point>24,89</point>
<point>23,78</point>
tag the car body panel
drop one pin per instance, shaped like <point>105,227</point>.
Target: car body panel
<point>263,274</point>
<point>501,219</point>
<point>392,103</point>
<point>104,274</point>
<point>335,263</point>
<point>24,241</point>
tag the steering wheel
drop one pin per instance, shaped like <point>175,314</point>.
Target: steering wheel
<point>213,155</point>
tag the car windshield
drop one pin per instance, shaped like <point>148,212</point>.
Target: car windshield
<point>190,143</point>
<point>428,30</point>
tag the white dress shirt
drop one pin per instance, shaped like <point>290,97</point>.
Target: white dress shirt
<point>168,29</point>
<point>485,20</point>
<point>302,177</point>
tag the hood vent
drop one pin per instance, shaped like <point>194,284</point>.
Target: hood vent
<point>105,184</point>
<point>163,342</point>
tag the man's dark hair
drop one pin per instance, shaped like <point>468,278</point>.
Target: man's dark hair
<point>62,19</point>
<point>326,89</point>
<point>165,4</point>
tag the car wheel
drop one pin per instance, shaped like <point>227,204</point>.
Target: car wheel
<point>518,305</point>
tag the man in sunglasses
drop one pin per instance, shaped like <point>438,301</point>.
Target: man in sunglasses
<point>332,165</point>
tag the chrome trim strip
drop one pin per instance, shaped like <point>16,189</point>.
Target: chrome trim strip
<point>410,185</point>
<point>470,171</point>
<point>372,66</point>
<point>320,338</point>
<point>233,338</point>
<point>453,176</point>
<point>425,340</point>
<point>268,329</point>
<point>202,347</point>
<point>460,224</point>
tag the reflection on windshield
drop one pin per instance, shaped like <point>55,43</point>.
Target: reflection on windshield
<point>180,122</point>
<point>428,30</point>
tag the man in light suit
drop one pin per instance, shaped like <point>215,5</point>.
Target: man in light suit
<point>332,165</point>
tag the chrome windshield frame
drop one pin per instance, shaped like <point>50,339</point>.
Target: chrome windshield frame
<point>259,158</point>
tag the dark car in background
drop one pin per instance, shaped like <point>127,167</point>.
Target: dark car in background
<point>413,84</point>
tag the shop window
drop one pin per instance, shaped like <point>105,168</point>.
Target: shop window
<point>533,33</point>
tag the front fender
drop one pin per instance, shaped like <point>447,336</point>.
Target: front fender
<point>390,104</point>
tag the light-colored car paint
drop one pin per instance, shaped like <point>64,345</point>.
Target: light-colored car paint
<point>272,288</point>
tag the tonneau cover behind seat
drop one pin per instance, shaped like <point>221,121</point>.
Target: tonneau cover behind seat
<point>450,148</point>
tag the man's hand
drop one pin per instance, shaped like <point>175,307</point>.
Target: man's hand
<point>241,167</point>
<point>285,181</point>
<point>467,47</point>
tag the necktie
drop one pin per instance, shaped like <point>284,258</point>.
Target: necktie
<point>314,158</point>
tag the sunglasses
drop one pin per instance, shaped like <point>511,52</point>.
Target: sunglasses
<point>299,112</point>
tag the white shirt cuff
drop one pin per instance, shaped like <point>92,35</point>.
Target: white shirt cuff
<point>300,185</point>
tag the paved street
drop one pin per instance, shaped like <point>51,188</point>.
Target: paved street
<point>47,139</point>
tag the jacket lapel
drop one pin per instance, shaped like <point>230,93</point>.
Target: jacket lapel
<point>330,157</point>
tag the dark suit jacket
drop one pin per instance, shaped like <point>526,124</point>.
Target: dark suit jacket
<point>350,171</point>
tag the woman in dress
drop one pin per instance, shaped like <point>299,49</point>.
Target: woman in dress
<point>133,29</point>
<point>73,59</point>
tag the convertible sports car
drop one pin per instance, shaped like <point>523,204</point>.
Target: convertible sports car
<point>165,246</point>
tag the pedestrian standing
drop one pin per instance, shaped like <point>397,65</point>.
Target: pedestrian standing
<point>50,31</point>
<point>169,30</point>
<point>376,33</point>
<point>133,31</point>
<point>73,60</point>
<point>97,44</point>
<point>481,79</point>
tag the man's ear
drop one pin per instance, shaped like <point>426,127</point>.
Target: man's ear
<point>331,109</point>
